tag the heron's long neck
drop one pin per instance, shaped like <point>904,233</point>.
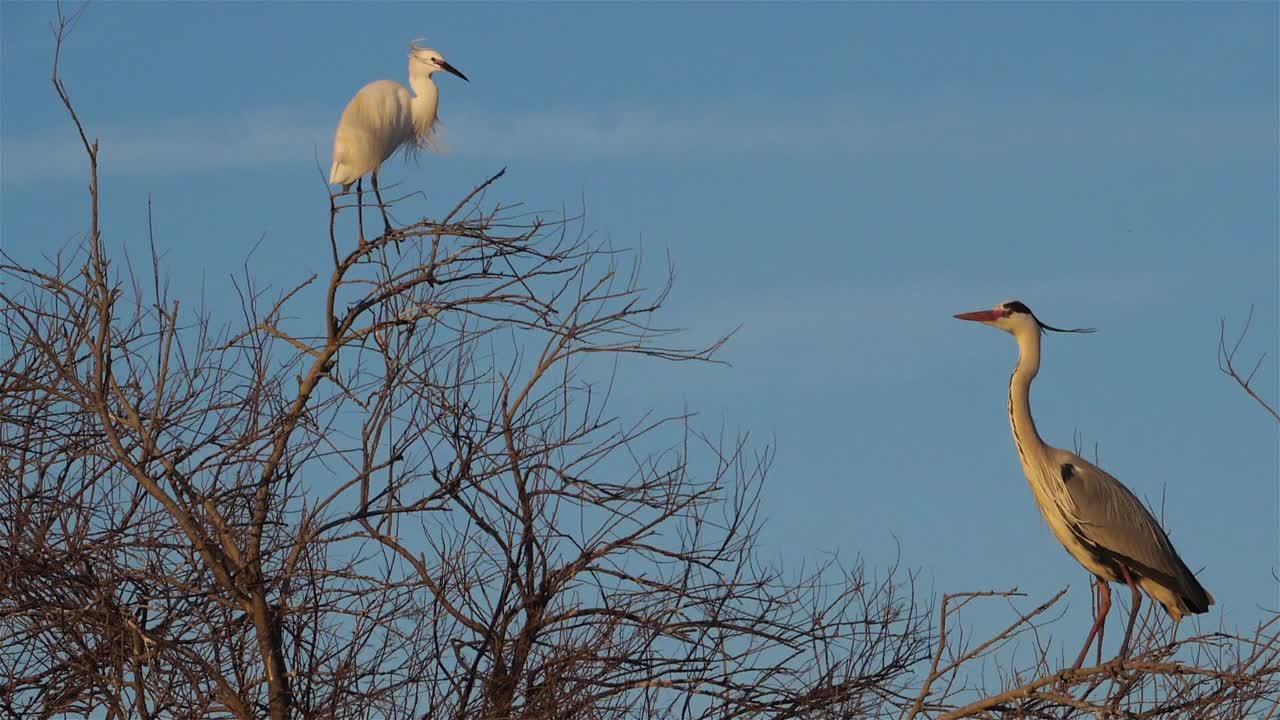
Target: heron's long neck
<point>1030,446</point>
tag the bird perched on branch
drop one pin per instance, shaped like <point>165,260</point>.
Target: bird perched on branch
<point>383,118</point>
<point>1104,526</point>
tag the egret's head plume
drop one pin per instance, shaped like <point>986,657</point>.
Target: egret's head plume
<point>425,61</point>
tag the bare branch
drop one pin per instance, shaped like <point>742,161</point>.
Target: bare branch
<point>1226,363</point>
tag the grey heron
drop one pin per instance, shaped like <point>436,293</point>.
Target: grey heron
<point>1099,521</point>
<point>384,117</point>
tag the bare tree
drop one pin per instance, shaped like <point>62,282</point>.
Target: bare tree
<point>409,501</point>
<point>399,491</point>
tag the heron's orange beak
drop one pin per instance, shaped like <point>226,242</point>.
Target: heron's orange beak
<point>980,316</point>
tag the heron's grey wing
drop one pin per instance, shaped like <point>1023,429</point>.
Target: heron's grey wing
<point>1113,518</point>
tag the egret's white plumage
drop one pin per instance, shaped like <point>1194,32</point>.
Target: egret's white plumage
<point>377,122</point>
<point>385,117</point>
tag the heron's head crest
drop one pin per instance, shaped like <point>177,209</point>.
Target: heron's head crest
<point>1017,307</point>
<point>1014,317</point>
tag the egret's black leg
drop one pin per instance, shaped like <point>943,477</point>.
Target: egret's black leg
<point>1133,611</point>
<point>386,222</point>
<point>360,207</point>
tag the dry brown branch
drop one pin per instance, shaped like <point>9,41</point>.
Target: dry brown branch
<point>1206,676</point>
<point>1226,363</point>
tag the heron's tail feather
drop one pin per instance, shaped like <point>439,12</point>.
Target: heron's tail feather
<point>1194,596</point>
<point>1199,602</point>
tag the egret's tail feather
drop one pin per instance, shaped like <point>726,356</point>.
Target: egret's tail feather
<point>340,174</point>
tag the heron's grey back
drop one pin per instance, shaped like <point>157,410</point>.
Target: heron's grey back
<point>1113,518</point>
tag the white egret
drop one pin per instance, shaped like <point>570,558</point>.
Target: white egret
<point>383,118</point>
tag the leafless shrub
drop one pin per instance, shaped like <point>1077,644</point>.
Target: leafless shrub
<point>410,501</point>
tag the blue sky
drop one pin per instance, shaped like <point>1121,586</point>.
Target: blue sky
<point>838,179</point>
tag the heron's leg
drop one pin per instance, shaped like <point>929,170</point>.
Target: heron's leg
<point>1102,630</point>
<point>1104,606</point>
<point>386,222</point>
<point>1133,611</point>
<point>360,207</point>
